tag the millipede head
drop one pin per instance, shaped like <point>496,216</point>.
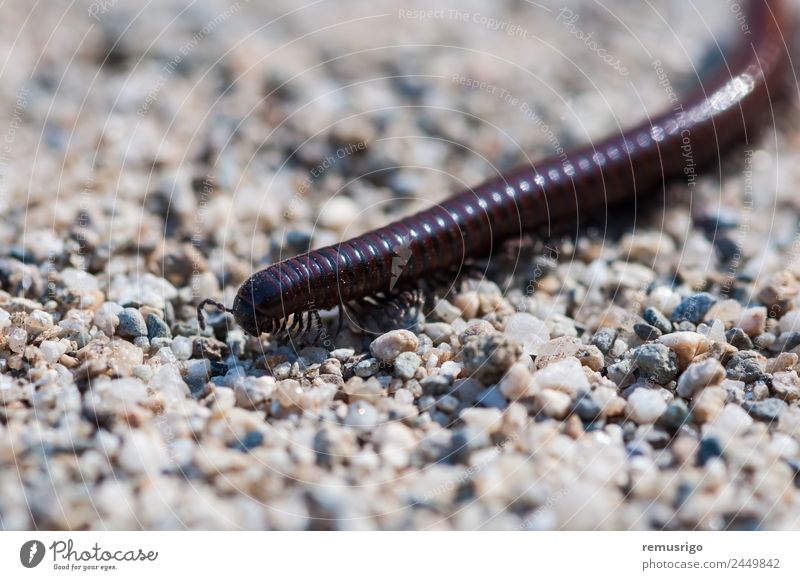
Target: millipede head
<point>259,304</point>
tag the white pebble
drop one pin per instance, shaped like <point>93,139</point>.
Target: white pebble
<point>553,403</point>
<point>527,330</point>
<point>181,347</point>
<point>142,454</point>
<point>566,375</point>
<point>484,420</point>
<point>362,415</point>
<point>38,321</point>
<point>339,213</point>
<point>52,350</point>
<point>386,347</point>
<point>106,318</point>
<point>646,405</point>
<point>17,340</point>
<point>790,322</point>
<point>518,383</point>
<point>452,368</point>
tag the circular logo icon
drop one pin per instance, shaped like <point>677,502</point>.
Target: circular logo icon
<point>31,553</point>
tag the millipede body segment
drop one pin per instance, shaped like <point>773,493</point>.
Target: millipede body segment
<point>726,110</point>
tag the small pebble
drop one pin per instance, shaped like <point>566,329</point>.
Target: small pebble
<point>517,383</point>
<point>566,376</point>
<point>786,385</point>
<point>709,448</point>
<point>656,362</point>
<point>527,330</point>
<point>767,410</point>
<point>676,415</point>
<point>553,403</point>
<point>738,338</point>
<point>698,376</point>
<point>646,332</point>
<point>366,367</point>
<point>131,324</point>
<point>693,308</point>
<point>746,366</point>
<point>655,318</point>
<point>482,420</point>
<point>182,347</point>
<point>52,350</point>
<point>753,320</point>
<point>646,405</point>
<point>406,364</point>
<point>586,408</point>
<point>386,347</point>
<point>362,415</point>
<point>604,339</point>
<point>156,327</point>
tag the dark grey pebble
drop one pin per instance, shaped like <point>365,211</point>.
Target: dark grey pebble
<point>323,448</point>
<point>791,341</point>
<point>764,340</point>
<point>646,332</point>
<point>464,442</point>
<point>441,418</point>
<point>597,425</point>
<point>658,438</point>
<point>628,431</point>
<point>492,398</point>
<point>297,241</point>
<point>131,324</point>
<point>447,404</point>
<point>739,339</point>
<point>249,441</point>
<point>693,308</point>
<point>426,403</point>
<point>656,318</point>
<point>638,447</point>
<point>794,464</point>
<point>81,338</point>
<point>621,372</point>
<point>714,221</point>
<point>741,523</point>
<point>675,416</point>
<point>436,385</point>
<point>727,249</point>
<point>604,339</point>
<point>709,448</point>
<point>746,365</point>
<point>586,409</point>
<point>156,328</point>
<point>766,410</point>
<point>656,362</point>
<point>312,355</point>
<point>683,493</point>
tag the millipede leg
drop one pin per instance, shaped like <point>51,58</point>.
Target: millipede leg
<point>281,326</point>
<point>318,323</point>
<point>304,320</point>
<point>296,320</point>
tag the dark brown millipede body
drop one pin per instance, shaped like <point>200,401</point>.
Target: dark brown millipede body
<point>726,110</point>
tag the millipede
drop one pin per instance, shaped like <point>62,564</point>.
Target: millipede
<point>727,109</point>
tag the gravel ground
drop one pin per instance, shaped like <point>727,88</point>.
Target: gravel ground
<point>611,377</point>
